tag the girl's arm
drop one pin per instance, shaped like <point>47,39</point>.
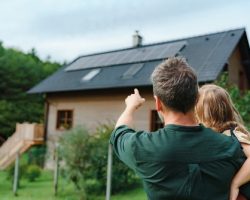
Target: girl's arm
<point>243,175</point>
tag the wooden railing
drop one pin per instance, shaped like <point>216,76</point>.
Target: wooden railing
<point>25,136</point>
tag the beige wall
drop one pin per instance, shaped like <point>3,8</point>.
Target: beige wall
<point>92,109</point>
<point>234,69</point>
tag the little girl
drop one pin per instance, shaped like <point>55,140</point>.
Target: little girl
<point>215,109</point>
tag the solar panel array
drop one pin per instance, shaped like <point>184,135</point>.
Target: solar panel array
<point>142,54</point>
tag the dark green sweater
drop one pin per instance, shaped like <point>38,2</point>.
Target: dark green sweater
<point>179,162</point>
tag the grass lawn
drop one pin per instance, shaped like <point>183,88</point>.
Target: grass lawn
<point>42,189</point>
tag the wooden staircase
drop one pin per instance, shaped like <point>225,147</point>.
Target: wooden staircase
<point>25,136</point>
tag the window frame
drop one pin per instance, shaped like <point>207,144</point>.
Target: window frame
<point>58,125</point>
<point>155,121</point>
<point>91,75</point>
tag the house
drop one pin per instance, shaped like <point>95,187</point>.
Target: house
<point>92,88</point>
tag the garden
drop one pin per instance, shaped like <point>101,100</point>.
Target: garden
<point>42,189</point>
<point>82,159</point>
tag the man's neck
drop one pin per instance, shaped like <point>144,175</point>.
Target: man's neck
<point>179,118</point>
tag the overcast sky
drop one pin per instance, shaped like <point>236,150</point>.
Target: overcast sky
<point>66,29</point>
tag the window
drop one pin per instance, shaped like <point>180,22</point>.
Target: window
<point>64,119</point>
<point>91,75</point>
<point>155,122</point>
<point>131,72</point>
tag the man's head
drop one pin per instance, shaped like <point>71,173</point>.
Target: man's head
<point>175,84</point>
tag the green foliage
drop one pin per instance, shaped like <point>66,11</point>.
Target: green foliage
<point>27,169</point>
<point>42,189</point>
<point>85,158</point>
<point>36,155</point>
<point>19,72</point>
<point>33,172</point>
<point>22,171</point>
<point>75,150</point>
<point>241,99</point>
<point>22,168</point>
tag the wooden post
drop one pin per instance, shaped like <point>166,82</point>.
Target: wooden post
<point>109,173</point>
<point>16,175</point>
<point>56,171</point>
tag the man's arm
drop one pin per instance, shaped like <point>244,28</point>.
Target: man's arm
<point>122,138</point>
<point>133,102</point>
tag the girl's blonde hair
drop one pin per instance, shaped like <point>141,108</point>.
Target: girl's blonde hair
<point>216,110</point>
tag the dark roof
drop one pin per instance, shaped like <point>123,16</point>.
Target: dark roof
<point>207,54</point>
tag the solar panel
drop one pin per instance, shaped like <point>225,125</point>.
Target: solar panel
<point>135,55</point>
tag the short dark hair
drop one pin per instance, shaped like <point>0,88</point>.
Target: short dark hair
<point>175,83</point>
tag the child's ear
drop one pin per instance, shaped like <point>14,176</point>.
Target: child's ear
<point>158,104</point>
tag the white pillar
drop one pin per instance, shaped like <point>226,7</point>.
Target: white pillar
<point>16,175</point>
<point>109,173</point>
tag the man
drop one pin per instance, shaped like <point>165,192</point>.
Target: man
<point>183,160</point>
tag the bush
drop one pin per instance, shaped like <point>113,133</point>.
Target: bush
<point>22,168</point>
<point>85,158</point>
<point>33,172</point>
<point>241,99</point>
<point>121,174</point>
<point>74,150</point>
<point>30,172</point>
<point>11,169</point>
<point>93,186</point>
<point>27,161</point>
<point>36,155</point>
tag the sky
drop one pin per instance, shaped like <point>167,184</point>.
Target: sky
<point>62,30</point>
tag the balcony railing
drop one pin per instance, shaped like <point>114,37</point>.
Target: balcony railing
<point>25,136</point>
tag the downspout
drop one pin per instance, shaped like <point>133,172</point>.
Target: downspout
<point>46,117</point>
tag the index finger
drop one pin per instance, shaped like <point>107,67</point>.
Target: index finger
<point>136,91</point>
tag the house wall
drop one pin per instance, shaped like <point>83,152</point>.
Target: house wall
<point>91,109</point>
<point>236,71</point>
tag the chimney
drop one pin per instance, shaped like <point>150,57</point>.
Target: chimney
<point>137,39</point>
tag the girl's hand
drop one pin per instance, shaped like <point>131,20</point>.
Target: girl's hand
<point>234,192</point>
<point>241,197</point>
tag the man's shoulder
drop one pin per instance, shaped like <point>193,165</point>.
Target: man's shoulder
<point>208,132</point>
<point>125,132</point>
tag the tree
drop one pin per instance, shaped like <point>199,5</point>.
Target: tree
<point>241,99</point>
<point>19,72</point>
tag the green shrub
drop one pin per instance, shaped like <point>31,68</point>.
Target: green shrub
<point>74,150</point>
<point>85,158</point>
<point>241,99</point>
<point>121,174</point>
<point>93,186</point>
<point>22,170</point>
<point>33,172</point>
<point>36,155</point>
<point>10,173</point>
